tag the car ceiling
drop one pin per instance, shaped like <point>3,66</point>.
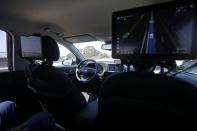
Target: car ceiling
<point>71,17</point>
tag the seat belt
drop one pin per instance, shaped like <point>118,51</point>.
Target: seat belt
<point>28,75</point>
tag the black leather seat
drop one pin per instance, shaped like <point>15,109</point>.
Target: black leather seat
<point>53,87</point>
<point>142,100</point>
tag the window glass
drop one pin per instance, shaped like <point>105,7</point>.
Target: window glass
<point>66,57</point>
<point>3,51</point>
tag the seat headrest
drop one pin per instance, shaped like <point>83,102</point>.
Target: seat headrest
<point>50,49</point>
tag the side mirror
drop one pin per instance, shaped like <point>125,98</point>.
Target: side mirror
<point>67,62</point>
<point>180,65</point>
<point>106,47</point>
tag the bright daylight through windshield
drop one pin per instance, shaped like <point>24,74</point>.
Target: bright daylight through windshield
<point>92,50</point>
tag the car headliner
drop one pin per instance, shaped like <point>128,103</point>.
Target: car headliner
<point>72,17</point>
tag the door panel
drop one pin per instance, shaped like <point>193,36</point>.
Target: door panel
<point>7,88</point>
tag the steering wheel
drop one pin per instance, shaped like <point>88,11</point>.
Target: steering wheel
<point>84,72</point>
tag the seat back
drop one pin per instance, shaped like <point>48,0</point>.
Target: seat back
<point>133,99</point>
<point>53,87</point>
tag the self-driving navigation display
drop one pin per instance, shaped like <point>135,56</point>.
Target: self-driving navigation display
<point>161,31</point>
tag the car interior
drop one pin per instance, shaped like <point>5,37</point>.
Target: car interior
<point>101,65</point>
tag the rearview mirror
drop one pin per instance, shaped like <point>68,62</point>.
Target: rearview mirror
<point>106,47</point>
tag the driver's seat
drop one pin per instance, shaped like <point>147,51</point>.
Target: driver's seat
<point>53,88</point>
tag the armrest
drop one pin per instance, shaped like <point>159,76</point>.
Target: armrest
<point>87,117</point>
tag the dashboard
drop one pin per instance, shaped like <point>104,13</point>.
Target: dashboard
<point>106,67</point>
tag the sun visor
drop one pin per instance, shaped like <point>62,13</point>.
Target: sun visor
<point>80,38</point>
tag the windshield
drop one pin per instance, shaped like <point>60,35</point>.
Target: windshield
<point>93,50</point>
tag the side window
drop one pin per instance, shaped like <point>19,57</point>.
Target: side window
<point>3,52</point>
<point>66,57</point>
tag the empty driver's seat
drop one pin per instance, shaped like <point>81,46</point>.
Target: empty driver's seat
<point>53,87</point>
<point>134,101</point>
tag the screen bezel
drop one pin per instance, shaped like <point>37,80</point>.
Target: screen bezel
<point>191,56</point>
<point>32,57</point>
